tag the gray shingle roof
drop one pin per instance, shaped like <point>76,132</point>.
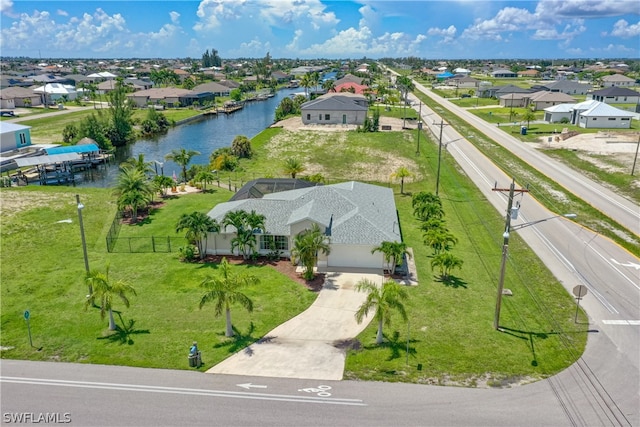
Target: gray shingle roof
<point>359,213</point>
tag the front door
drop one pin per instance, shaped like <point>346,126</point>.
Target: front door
<point>344,119</point>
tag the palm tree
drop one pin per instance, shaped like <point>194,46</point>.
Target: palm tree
<point>162,183</point>
<point>306,83</point>
<point>241,147</point>
<point>446,262</point>
<point>137,163</point>
<point>106,291</point>
<point>205,177</point>
<point>401,173</point>
<point>224,291</point>
<point>393,253</point>
<point>405,84</point>
<point>427,206</point>
<point>329,85</point>
<point>384,300</point>
<point>439,240</point>
<point>528,116</point>
<point>198,226</point>
<point>182,157</point>
<point>246,224</point>
<point>293,166</point>
<point>133,191</point>
<point>306,246</point>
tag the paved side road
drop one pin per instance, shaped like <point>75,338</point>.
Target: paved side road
<point>307,346</point>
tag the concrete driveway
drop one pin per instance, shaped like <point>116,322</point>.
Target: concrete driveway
<point>307,346</point>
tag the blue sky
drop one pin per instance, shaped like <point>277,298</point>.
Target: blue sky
<point>451,29</point>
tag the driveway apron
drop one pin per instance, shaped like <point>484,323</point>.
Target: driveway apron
<point>309,345</point>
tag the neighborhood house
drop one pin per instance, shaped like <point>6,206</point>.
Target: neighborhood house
<point>357,217</point>
<point>335,108</point>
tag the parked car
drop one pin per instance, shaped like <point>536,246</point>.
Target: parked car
<point>7,113</point>
<point>465,95</point>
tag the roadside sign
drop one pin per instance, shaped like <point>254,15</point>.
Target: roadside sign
<point>26,315</point>
<point>580,291</point>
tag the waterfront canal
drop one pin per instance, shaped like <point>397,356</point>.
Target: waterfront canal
<point>204,135</point>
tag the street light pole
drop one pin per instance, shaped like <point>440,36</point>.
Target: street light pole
<point>635,159</point>
<point>84,243</point>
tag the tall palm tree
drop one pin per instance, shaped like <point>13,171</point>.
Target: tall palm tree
<point>133,190</point>
<point>405,84</point>
<point>401,173</point>
<point>384,300</point>
<point>182,157</point>
<point>105,291</point>
<point>293,166</point>
<point>306,246</point>
<point>225,291</point>
<point>329,85</point>
<point>246,224</point>
<point>306,83</point>
<point>198,226</point>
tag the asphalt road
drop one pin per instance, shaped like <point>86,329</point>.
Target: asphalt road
<point>98,395</point>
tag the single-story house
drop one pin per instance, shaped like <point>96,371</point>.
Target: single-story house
<point>214,87</point>
<point>504,73</point>
<point>604,116</point>
<point>170,96</point>
<point>569,87</point>
<point>357,218</point>
<point>57,91</point>
<point>615,95</point>
<point>280,76</point>
<point>543,99</point>
<point>14,136</point>
<point>349,78</point>
<point>558,112</point>
<point>617,80</point>
<point>335,108</point>
<point>19,97</point>
<point>463,82</point>
<point>529,73</point>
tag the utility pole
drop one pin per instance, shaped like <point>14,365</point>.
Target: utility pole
<point>635,159</point>
<point>419,128</point>
<point>505,248</point>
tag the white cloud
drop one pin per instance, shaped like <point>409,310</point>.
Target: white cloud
<point>624,30</point>
<point>559,9</point>
<point>448,34</point>
<point>6,6</point>
<point>175,17</point>
<point>61,12</point>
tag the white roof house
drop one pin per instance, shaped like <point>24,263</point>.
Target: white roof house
<point>556,113</point>
<point>605,116</point>
<point>356,216</point>
<point>56,91</point>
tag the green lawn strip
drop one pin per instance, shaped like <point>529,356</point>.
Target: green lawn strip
<point>545,190</point>
<point>450,327</point>
<point>50,128</point>
<point>43,271</point>
<point>616,174</point>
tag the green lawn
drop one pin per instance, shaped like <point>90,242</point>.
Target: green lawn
<point>43,270</point>
<point>450,326</point>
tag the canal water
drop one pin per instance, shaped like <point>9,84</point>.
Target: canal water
<point>203,135</point>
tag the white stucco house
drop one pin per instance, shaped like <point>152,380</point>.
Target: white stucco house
<point>617,80</point>
<point>556,113</point>
<point>604,116</point>
<point>356,216</point>
<point>341,108</point>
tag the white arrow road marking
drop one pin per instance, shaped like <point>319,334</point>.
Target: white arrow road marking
<point>628,264</point>
<point>249,385</point>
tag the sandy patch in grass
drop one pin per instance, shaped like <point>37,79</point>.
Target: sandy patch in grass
<point>297,136</point>
<point>14,202</point>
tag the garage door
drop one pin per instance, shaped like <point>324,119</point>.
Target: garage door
<point>354,256</point>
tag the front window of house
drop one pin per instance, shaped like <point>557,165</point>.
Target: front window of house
<point>269,242</point>
<point>327,117</point>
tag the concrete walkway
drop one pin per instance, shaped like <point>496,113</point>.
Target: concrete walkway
<point>308,346</point>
